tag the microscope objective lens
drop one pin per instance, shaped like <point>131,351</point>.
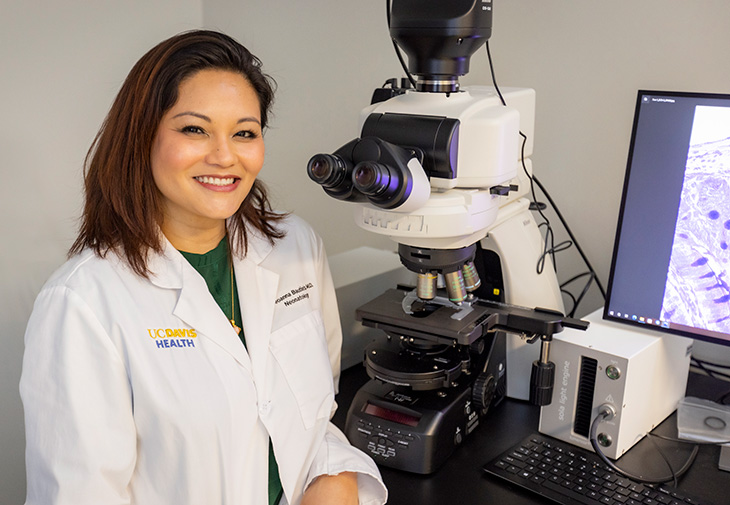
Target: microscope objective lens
<point>455,286</point>
<point>471,277</point>
<point>426,287</point>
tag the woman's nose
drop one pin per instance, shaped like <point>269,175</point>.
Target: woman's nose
<point>221,153</point>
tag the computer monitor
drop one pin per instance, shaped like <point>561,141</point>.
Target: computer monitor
<point>671,262</point>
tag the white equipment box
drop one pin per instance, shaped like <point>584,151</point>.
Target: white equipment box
<point>640,374</point>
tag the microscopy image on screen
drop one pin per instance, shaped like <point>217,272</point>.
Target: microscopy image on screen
<point>697,291</point>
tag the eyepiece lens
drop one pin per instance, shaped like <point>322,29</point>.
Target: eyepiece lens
<point>320,167</point>
<point>366,174</point>
<point>328,170</point>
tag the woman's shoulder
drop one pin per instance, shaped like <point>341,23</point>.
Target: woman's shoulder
<point>83,268</point>
<point>299,241</point>
<point>296,224</point>
<point>298,231</point>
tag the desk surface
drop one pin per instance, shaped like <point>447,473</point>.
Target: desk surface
<point>461,479</point>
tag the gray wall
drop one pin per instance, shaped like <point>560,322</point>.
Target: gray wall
<point>62,63</point>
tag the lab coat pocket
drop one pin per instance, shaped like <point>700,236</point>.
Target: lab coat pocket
<point>300,349</point>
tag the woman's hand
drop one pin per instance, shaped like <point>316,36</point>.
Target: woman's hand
<point>340,489</point>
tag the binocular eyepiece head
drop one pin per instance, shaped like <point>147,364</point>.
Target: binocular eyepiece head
<point>371,170</point>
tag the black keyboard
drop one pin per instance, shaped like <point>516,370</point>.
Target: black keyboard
<point>571,475</point>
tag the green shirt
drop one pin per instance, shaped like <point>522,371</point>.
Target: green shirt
<point>216,268</point>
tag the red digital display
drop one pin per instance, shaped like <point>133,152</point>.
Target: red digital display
<point>390,415</point>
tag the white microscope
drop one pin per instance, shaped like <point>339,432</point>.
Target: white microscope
<point>443,171</point>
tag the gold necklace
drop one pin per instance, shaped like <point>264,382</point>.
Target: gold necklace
<point>233,307</point>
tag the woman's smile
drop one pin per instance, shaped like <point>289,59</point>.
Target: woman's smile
<point>218,183</point>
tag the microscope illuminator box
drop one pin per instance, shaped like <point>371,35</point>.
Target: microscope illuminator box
<point>638,373</point>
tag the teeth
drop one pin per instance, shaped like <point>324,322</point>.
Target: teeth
<point>216,181</point>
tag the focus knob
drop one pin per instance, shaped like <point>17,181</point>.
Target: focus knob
<point>483,392</point>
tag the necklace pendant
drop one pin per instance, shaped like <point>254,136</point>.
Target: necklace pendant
<point>233,323</point>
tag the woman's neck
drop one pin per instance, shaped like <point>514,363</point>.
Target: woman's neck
<point>193,239</point>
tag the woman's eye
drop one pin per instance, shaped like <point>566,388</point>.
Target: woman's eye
<point>192,129</point>
<point>248,134</point>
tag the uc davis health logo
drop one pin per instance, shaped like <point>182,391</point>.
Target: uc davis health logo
<point>173,337</point>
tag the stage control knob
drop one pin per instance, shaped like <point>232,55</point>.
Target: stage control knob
<point>483,392</point>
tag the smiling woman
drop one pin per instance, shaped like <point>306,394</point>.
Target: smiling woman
<point>230,399</point>
<point>207,152</point>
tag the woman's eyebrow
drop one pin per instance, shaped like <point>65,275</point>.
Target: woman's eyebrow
<point>194,114</point>
<point>248,119</point>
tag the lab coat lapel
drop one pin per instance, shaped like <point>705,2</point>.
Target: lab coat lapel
<point>202,313</point>
<point>195,305</point>
<point>257,288</point>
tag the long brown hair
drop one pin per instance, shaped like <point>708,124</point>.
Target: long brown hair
<point>122,209</point>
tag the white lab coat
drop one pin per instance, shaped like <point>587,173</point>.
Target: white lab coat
<point>139,391</point>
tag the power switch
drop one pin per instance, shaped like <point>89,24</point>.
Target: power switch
<point>613,372</point>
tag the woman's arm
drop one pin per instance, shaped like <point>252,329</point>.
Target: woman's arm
<point>80,435</point>
<point>340,489</point>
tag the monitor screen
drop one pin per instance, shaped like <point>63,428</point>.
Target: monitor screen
<point>671,261</point>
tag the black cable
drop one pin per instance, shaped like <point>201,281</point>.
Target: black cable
<point>576,301</point>
<point>693,442</point>
<point>675,475</point>
<point>530,177</point>
<point>570,234</point>
<point>699,364</point>
<point>494,78</point>
<point>548,248</point>
<point>722,400</point>
<point>715,374</point>
<point>666,461</point>
<point>572,299</point>
<point>397,49</point>
<point>716,365</point>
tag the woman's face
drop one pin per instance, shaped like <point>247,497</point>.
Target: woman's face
<point>207,152</point>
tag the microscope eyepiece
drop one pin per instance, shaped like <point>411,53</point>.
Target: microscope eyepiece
<point>328,170</point>
<point>365,175</point>
<point>374,179</point>
<point>334,173</point>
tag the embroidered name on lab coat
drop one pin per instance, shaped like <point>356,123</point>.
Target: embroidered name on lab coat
<point>173,337</point>
<point>295,295</point>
